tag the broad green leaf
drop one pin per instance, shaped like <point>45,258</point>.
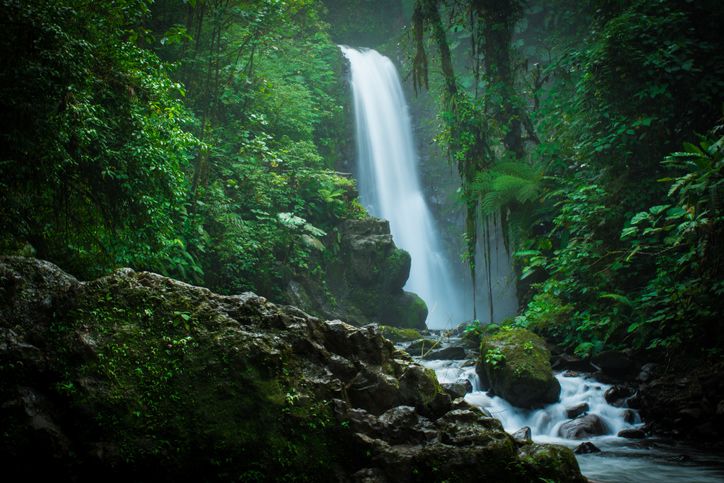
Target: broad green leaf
<point>655,210</point>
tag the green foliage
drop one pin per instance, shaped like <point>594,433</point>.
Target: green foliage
<point>212,166</point>
<point>93,137</point>
<point>495,358</point>
<point>614,262</point>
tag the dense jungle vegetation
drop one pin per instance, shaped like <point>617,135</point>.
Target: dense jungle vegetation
<point>199,139</point>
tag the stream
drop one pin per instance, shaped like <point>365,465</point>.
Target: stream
<point>621,459</point>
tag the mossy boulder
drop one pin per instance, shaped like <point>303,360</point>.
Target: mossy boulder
<point>363,284</point>
<point>515,363</point>
<point>400,335</point>
<point>138,377</point>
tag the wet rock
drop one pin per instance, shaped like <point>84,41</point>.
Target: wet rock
<point>466,384</point>
<point>364,285</point>
<point>617,395</point>
<point>523,434</point>
<point>583,427</point>
<point>570,373</point>
<point>612,362</point>
<point>515,363</point>
<point>629,416</point>
<point>369,475</point>
<point>461,443</point>
<point>454,390</point>
<point>448,353</point>
<point>648,372</point>
<point>421,347</point>
<point>577,410</point>
<point>690,413</point>
<point>566,361</point>
<point>586,448</point>
<point>631,434</point>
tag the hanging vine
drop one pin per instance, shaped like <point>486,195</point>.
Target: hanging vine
<point>472,124</point>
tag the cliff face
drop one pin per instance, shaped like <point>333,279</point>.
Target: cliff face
<point>138,376</point>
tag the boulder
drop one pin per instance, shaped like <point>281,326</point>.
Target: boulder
<point>466,384</point>
<point>586,448</point>
<point>629,416</point>
<point>523,434</point>
<point>515,364</point>
<point>631,434</point>
<point>582,427</point>
<point>577,410</point>
<point>618,395</point>
<point>454,390</point>
<point>136,376</point>
<point>564,362</point>
<point>422,346</point>
<point>364,282</point>
<point>648,372</point>
<point>400,335</point>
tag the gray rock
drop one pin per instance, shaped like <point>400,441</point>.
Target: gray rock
<point>583,427</point>
<point>364,284</point>
<point>629,416</point>
<point>523,434</point>
<point>237,380</point>
<point>617,395</point>
<point>466,384</point>
<point>577,410</point>
<point>448,353</point>
<point>421,347</point>
<point>453,389</point>
<point>565,362</point>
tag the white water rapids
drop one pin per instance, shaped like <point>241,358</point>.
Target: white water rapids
<point>621,460</point>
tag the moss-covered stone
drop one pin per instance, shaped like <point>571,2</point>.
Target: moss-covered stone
<point>137,377</point>
<point>516,364</point>
<point>400,335</point>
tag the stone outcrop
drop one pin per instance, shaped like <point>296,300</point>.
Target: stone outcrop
<point>138,376</point>
<point>364,282</point>
<point>515,364</point>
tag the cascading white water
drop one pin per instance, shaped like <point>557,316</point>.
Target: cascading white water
<point>389,185</point>
<point>621,460</point>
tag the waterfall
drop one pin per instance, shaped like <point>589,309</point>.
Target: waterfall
<point>389,184</point>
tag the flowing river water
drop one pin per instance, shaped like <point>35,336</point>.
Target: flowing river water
<point>621,460</point>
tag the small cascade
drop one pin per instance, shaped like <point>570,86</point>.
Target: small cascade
<point>390,188</point>
<point>545,423</point>
<point>620,460</point>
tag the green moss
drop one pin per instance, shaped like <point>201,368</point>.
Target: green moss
<point>399,335</point>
